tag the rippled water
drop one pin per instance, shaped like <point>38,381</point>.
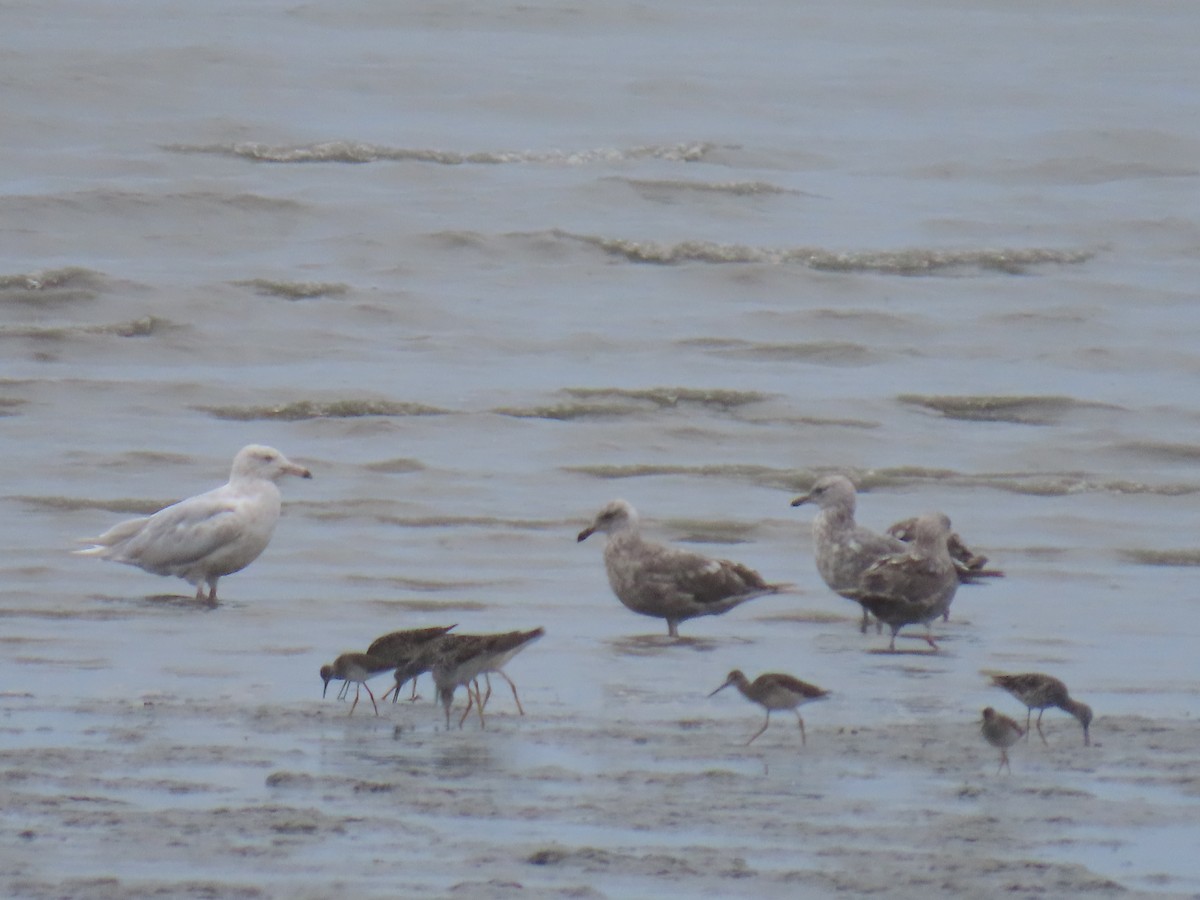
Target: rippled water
<point>483,268</point>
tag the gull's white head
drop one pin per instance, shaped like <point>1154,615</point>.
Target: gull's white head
<point>258,461</point>
<point>830,492</point>
<point>617,515</point>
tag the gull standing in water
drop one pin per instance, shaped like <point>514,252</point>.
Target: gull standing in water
<point>667,583</point>
<point>915,586</point>
<point>845,550</point>
<point>210,535</point>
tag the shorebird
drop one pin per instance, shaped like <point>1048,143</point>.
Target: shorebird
<point>916,585</point>
<point>208,536</point>
<point>774,690</point>
<point>461,658</point>
<point>402,649</point>
<point>845,550</point>
<point>1002,732</point>
<point>354,668</point>
<point>665,582</point>
<point>1040,692</point>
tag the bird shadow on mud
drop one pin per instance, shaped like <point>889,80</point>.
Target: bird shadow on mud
<point>656,644</point>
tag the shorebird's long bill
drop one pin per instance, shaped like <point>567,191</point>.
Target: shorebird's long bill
<point>585,534</point>
<point>325,689</point>
<point>722,687</point>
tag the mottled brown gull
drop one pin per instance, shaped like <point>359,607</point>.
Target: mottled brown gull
<point>915,586</point>
<point>665,582</point>
<point>205,537</point>
<point>844,549</point>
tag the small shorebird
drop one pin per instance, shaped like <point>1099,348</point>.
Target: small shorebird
<point>1002,732</point>
<point>845,550</point>
<point>664,582</point>
<point>461,658</point>
<point>355,668</point>
<point>1040,692</point>
<point>774,690</point>
<point>915,586</point>
<point>402,649</point>
<point>208,536</point>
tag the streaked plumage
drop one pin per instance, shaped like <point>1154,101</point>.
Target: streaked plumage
<point>1040,692</point>
<point>772,691</point>
<point>1002,732</point>
<point>461,658</point>
<point>208,536</point>
<point>354,668</point>
<point>915,586</point>
<point>667,583</point>
<point>403,648</point>
<point>844,549</point>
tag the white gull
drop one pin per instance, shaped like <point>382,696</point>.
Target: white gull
<point>210,535</point>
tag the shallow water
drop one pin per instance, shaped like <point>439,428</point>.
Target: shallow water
<point>483,268</point>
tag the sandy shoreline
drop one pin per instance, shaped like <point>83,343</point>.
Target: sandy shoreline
<point>166,796</point>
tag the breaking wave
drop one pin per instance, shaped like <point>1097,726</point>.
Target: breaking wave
<point>359,152</point>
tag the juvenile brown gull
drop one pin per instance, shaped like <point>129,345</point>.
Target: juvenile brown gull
<point>916,585</point>
<point>845,550</point>
<point>667,583</point>
<point>205,537</point>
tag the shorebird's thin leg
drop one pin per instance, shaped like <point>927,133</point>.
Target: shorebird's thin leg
<point>470,703</point>
<point>761,730</point>
<point>488,696</point>
<point>1039,728</point>
<point>200,592</point>
<point>892,645</point>
<point>514,690</point>
<point>212,591</point>
<point>672,628</point>
<point>447,698</point>
<point>414,698</point>
<point>1028,713</point>
<point>866,615</point>
<point>394,687</point>
<point>479,703</point>
<point>1003,762</point>
<point>372,696</point>
<point>355,703</point>
<point>803,740</point>
<point>929,639</point>
<point>345,691</point>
